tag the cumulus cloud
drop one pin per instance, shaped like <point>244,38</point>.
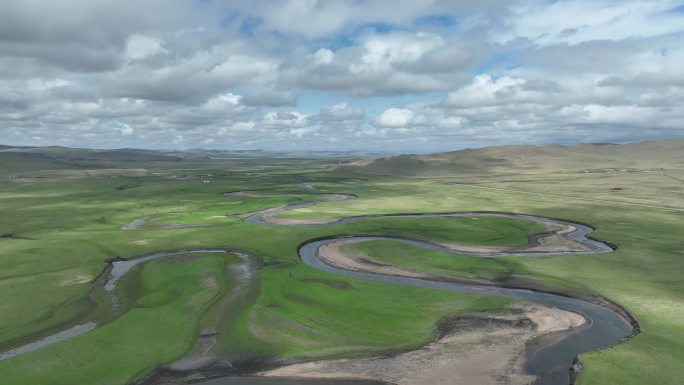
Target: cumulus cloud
<point>323,56</point>
<point>399,118</point>
<point>430,75</point>
<point>389,64</point>
<point>522,110</point>
<point>291,119</point>
<point>585,20</point>
<point>140,47</point>
<point>125,129</point>
<point>340,112</point>
<point>270,98</point>
<point>483,90</point>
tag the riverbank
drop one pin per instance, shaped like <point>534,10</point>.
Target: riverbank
<point>479,349</point>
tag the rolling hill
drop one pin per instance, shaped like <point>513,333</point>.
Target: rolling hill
<point>667,154</point>
<point>16,159</point>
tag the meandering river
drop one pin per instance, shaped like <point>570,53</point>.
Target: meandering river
<point>551,363</point>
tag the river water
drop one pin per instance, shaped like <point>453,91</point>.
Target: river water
<point>284,381</point>
<point>550,363</point>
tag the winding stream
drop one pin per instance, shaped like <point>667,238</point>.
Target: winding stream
<point>117,270</point>
<point>551,363</point>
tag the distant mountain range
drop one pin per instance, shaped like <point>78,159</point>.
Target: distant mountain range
<point>601,157</point>
<point>21,159</point>
<point>597,157</point>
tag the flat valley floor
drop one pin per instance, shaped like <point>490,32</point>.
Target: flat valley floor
<point>236,298</point>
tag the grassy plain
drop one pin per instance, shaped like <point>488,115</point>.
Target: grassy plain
<point>640,212</point>
<point>59,231</point>
<point>435,262</point>
<point>167,300</point>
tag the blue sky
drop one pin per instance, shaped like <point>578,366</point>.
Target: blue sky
<point>399,76</point>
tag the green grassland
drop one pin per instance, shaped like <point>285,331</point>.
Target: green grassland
<point>440,263</point>
<point>469,230</point>
<point>167,300</point>
<point>643,275</point>
<point>641,212</point>
<point>65,228</point>
<point>304,313</point>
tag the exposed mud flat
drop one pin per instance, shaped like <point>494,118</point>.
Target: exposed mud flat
<point>476,350</point>
<point>333,255</point>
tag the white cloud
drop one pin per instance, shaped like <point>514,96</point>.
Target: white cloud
<point>399,118</point>
<point>453,122</point>
<point>340,112</point>
<point>291,119</point>
<point>315,18</point>
<point>140,47</point>
<point>585,20</point>
<point>381,52</point>
<point>225,103</point>
<point>323,56</point>
<point>107,74</point>
<point>243,126</point>
<point>126,130</point>
<point>392,63</point>
<point>298,132</point>
<point>484,90</point>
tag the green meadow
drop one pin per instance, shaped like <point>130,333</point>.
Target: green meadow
<point>59,231</point>
<point>440,263</point>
